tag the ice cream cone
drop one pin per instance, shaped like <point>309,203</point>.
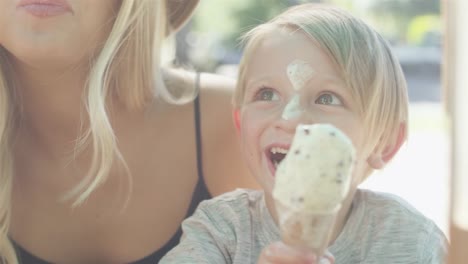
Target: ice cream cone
<point>311,183</point>
<point>306,230</point>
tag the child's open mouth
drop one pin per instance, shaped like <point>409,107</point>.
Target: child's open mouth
<point>276,155</point>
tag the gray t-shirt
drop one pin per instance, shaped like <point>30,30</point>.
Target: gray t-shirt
<point>381,229</point>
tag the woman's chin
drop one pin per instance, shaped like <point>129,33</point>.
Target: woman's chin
<point>47,58</point>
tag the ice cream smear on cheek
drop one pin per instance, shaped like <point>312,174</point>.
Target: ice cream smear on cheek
<point>311,183</point>
<point>299,73</point>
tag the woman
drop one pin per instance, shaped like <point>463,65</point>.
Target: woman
<point>96,164</point>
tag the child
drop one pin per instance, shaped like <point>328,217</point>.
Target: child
<point>345,74</point>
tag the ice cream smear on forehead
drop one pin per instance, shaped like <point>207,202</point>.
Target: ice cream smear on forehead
<point>299,73</point>
<point>311,183</point>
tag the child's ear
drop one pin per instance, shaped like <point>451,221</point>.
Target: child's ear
<point>236,117</point>
<point>377,160</point>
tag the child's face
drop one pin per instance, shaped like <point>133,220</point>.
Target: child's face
<point>289,80</point>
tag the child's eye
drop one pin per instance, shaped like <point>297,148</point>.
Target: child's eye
<point>266,94</point>
<point>328,99</point>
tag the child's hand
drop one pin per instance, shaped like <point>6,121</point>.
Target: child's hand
<point>280,253</point>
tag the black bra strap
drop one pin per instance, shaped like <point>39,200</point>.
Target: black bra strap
<point>198,138</point>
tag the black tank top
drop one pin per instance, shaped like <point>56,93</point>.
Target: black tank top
<point>200,193</point>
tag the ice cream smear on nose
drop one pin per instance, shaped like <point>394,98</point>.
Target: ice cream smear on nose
<point>293,108</point>
<point>299,73</point>
<point>312,182</point>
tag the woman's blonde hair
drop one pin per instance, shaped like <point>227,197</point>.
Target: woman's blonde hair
<point>364,58</point>
<point>126,68</point>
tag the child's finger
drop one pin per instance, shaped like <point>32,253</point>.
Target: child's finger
<point>327,258</point>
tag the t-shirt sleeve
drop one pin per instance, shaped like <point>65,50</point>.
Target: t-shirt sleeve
<point>204,239</point>
<point>436,247</point>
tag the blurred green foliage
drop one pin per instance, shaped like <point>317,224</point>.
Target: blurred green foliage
<point>235,17</point>
<point>219,24</point>
<point>405,8</point>
<point>226,20</point>
<point>255,13</point>
<point>396,16</point>
<point>423,29</point>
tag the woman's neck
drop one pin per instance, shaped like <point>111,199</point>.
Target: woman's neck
<point>51,105</point>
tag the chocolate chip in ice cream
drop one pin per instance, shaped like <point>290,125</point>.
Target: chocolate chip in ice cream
<point>340,164</point>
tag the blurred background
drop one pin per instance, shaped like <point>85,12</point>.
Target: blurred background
<point>420,171</point>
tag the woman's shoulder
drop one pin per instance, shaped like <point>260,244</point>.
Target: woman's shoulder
<point>223,166</point>
<point>213,91</point>
<point>208,85</point>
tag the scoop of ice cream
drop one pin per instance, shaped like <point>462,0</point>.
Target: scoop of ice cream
<point>316,173</point>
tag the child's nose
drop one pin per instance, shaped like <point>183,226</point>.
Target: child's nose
<point>293,108</point>
<point>288,125</point>
<point>293,114</point>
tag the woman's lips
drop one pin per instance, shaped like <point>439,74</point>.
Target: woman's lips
<point>45,8</point>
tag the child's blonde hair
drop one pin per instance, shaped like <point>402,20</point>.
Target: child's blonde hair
<point>364,59</point>
<point>127,68</point>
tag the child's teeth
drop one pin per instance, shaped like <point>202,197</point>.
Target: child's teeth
<point>279,150</point>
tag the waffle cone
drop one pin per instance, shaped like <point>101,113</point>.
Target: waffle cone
<point>305,230</point>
